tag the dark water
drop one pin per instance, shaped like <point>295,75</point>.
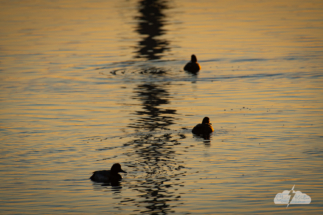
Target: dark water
<point>85,84</point>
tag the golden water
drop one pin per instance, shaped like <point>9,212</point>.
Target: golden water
<point>85,84</point>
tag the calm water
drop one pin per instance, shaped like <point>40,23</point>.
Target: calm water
<point>86,84</point>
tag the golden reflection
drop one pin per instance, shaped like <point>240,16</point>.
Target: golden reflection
<point>261,85</point>
<point>151,21</point>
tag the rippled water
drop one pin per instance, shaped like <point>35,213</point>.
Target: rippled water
<point>85,84</point>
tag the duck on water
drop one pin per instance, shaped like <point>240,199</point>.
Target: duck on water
<point>192,66</point>
<point>204,128</point>
<point>108,176</point>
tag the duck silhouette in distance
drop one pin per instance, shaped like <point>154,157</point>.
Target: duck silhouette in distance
<point>108,176</point>
<point>192,66</point>
<point>205,128</point>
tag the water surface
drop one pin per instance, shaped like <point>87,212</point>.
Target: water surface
<point>85,84</point>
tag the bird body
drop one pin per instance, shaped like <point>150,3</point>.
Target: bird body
<point>204,128</point>
<point>192,66</point>
<point>108,176</point>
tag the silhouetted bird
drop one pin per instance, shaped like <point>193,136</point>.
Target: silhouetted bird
<point>203,129</point>
<point>108,176</point>
<point>193,65</point>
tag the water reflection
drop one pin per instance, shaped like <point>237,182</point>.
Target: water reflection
<point>150,25</point>
<point>206,137</point>
<point>152,116</point>
<point>159,172</point>
<point>151,20</point>
<point>153,151</point>
<point>115,187</point>
<point>153,155</point>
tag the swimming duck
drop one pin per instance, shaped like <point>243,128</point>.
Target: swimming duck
<point>193,65</point>
<point>204,128</point>
<point>108,176</point>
